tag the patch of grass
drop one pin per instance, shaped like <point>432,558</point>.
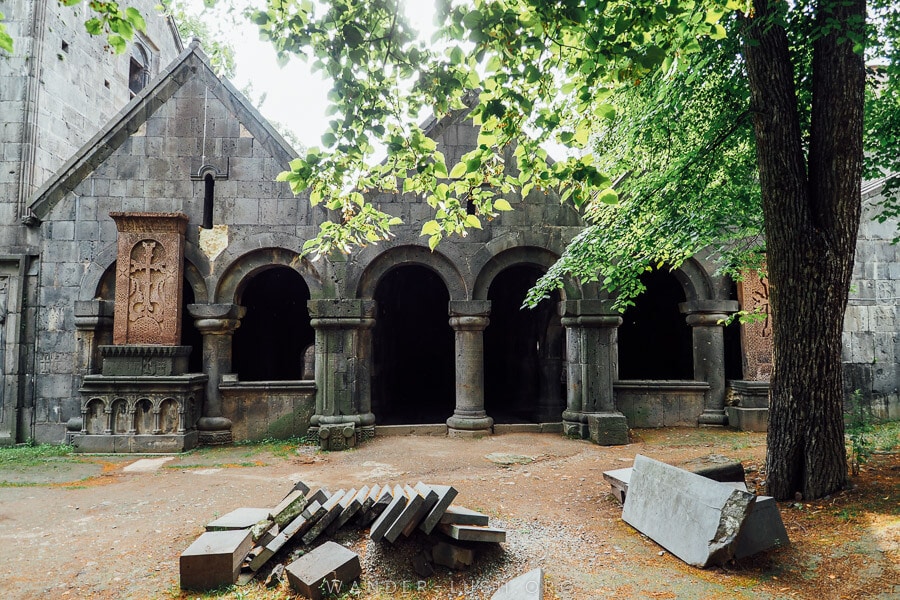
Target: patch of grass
<point>32,454</point>
<point>885,437</point>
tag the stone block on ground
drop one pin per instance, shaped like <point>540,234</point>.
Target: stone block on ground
<point>242,518</point>
<point>299,526</point>
<point>452,556</point>
<point>214,559</point>
<point>381,504</point>
<point>608,429</point>
<point>328,569</point>
<point>529,586</point>
<point>352,507</point>
<point>335,437</point>
<point>716,467</point>
<point>446,494</point>
<point>342,506</point>
<point>332,508</point>
<point>474,533</point>
<point>363,513</point>
<point>390,514</point>
<point>693,517</point>
<point>763,529</point>
<point>460,515</point>
<point>421,564</point>
<point>300,487</point>
<point>291,506</point>
<point>414,501</point>
<point>618,479</point>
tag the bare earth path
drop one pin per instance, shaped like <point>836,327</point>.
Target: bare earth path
<point>91,527</point>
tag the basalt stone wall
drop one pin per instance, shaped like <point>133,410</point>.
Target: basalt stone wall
<point>871,339</point>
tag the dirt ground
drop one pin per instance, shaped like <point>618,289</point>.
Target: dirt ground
<point>94,527</point>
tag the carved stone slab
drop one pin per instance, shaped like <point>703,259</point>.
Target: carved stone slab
<point>756,337</point>
<point>149,276</point>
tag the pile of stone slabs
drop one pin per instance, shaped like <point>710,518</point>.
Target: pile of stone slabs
<point>699,520</point>
<point>390,512</point>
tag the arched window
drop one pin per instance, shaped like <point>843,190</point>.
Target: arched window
<point>139,69</point>
<point>208,197</point>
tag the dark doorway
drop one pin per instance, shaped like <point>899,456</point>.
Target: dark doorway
<point>190,335</point>
<point>523,351</point>
<point>269,344</point>
<point>655,342</point>
<point>734,364</point>
<point>413,379</point>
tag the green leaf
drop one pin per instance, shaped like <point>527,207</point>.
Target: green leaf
<point>459,170</point>
<point>94,26</point>
<point>117,42</point>
<point>502,204</point>
<point>473,221</point>
<point>135,17</point>
<point>473,164</point>
<point>431,228</point>
<point>433,241</point>
<point>608,196</point>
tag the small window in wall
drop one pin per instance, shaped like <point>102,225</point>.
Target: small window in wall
<point>208,198</point>
<point>139,69</point>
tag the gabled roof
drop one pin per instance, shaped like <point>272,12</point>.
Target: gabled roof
<point>192,62</point>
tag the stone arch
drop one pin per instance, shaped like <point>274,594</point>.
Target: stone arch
<point>695,280</point>
<point>398,256</point>
<point>144,416</point>
<point>98,281</point>
<point>169,417</point>
<point>519,255</point>
<point>95,416</point>
<point>239,272</point>
<point>120,423</point>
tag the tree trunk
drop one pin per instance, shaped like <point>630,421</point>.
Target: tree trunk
<point>811,206</point>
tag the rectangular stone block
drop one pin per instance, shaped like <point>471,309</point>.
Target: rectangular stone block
<point>452,556</point>
<point>414,502</point>
<point>352,507</point>
<point>390,514</point>
<point>446,494</point>
<point>241,518</point>
<point>474,533</point>
<point>331,508</point>
<point>381,504</point>
<point>458,515</point>
<point>329,569</point>
<point>214,559</point>
<point>429,498</point>
<point>763,529</point>
<point>369,500</point>
<point>342,506</point>
<point>693,517</point>
<point>291,506</point>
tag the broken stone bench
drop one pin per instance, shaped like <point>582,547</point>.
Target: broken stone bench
<point>699,520</point>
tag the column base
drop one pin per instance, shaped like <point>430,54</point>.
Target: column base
<point>713,416</point>
<point>475,425</point>
<point>214,431</point>
<point>604,429</point>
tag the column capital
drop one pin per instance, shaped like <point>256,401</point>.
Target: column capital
<point>587,308</point>
<point>217,326</point>
<point>216,311</point>
<point>721,307</point>
<point>469,323</point>
<point>90,314</point>
<point>340,308</point>
<point>469,308</point>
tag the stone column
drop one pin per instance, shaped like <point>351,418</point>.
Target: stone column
<point>705,318</point>
<point>93,328</point>
<point>343,363</point>
<point>217,323</point>
<point>592,367</point>
<point>468,320</point>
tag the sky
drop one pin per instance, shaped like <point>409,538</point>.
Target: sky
<point>291,95</point>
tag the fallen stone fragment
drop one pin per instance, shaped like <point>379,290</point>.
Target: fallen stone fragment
<point>300,487</point>
<point>502,458</point>
<point>429,499</point>
<point>381,504</point>
<point>474,533</point>
<point>618,479</point>
<point>326,570</point>
<point>275,576</point>
<point>413,501</point>
<point>362,514</point>
<point>332,508</point>
<point>693,517</point>
<point>422,566</point>
<point>352,507</point>
<point>298,526</point>
<point>242,518</point>
<point>341,507</point>
<point>458,515</point>
<point>264,530</point>
<point>763,529</point>
<point>292,505</point>
<point>716,467</point>
<point>452,556</point>
<point>446,494</point>
<point>390,514</point>
<point>214,559</point>
<point>529,586</point>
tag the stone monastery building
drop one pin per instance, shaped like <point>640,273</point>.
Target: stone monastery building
<point>152,296</point>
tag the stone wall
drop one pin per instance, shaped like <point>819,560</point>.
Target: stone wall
<point>661,403</point>
<point>871,339</point>
<point>267,410</point>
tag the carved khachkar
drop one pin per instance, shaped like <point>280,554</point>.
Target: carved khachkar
<point>149,275</point>
<point>756,337</point>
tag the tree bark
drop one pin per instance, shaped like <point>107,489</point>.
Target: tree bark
<point>811,207</point>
